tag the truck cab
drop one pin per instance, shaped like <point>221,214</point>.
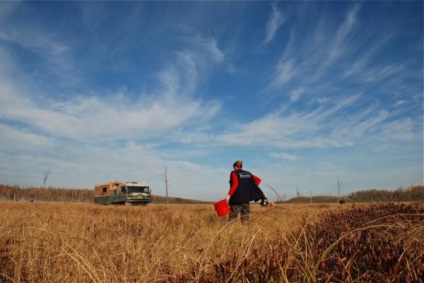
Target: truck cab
<point>131,193</point>
<point>136,193</point>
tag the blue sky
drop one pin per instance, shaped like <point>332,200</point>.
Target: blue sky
<point>304,93</point>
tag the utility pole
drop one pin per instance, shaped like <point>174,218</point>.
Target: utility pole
<point>166,185</point>
<point>310,193</point>
<point>339,186</point>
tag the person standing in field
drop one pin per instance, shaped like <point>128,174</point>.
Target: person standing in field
<point>244,187</point>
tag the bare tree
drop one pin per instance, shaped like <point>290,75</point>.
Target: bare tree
<point>46,176</point>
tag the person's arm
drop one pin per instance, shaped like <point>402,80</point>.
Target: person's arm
<point>233,187</point>
<point>257,180</point>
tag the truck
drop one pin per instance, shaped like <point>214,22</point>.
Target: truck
<point>116,192</point>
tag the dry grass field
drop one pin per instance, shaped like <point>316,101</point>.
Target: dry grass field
<point>77,242</point>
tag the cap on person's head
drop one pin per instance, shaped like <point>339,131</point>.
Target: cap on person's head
<point>238,164</point>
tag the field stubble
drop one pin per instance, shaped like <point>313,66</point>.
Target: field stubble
<point>71,242</point>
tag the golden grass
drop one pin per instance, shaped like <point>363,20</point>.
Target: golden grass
<point>69,242</point>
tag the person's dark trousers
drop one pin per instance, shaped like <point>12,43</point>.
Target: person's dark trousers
<point>243,209</point>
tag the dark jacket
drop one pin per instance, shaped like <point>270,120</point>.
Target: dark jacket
<point>247,190</point>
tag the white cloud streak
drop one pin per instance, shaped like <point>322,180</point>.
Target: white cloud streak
<point>275,21</point>
<point>91,117</point>
<point>85,118</point>
<point>321,128</point>
<point>310,59</point>
<point>284,156</point>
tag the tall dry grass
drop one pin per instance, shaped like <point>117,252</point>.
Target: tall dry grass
<point>68,242</point>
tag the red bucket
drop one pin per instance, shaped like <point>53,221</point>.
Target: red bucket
<point>222,208</point>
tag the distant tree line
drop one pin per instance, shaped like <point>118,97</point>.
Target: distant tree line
<point>415,193</point>
<point>68,195</point>
<point>48,194</point>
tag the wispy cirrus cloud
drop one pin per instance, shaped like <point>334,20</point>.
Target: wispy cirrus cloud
<point>284,156</point>
<point>275,21</point>
<point>211,45</point>
<point>21,139</point>
<point>89,115</point>
<point>334,126</point>
<point>309,59</point>
<point>339,44</point>
<point>86,118</point>
<point>334,62</point>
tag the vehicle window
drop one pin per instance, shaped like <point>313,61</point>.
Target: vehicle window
<point>138,189</point>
